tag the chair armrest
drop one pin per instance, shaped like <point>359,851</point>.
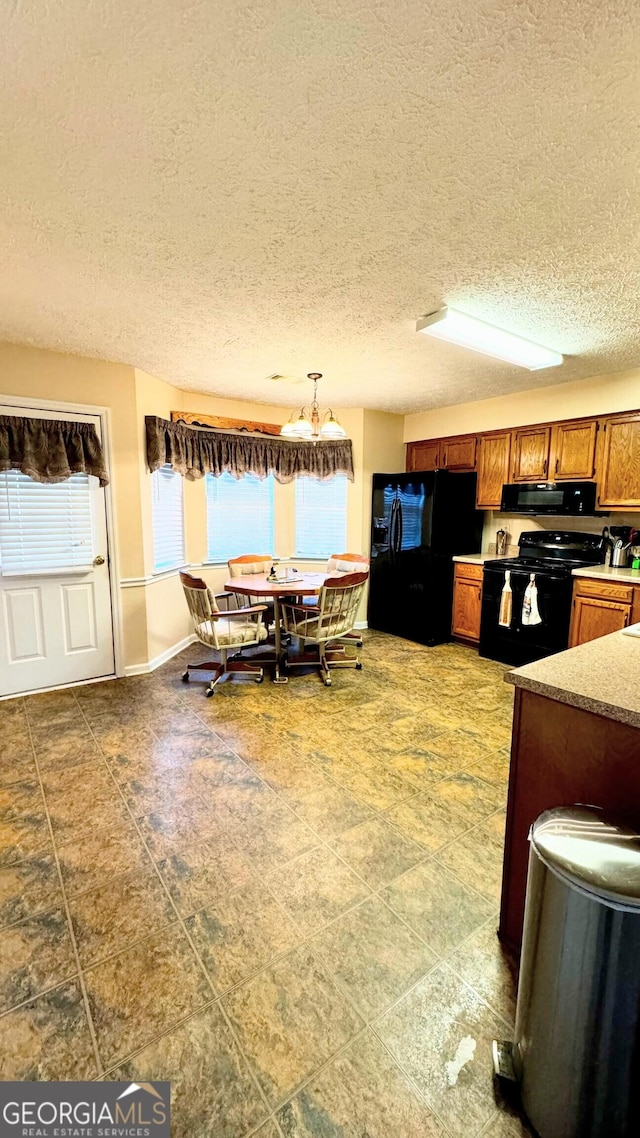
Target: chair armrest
<point>238,612</point>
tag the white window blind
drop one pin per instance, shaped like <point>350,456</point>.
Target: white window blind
<point>321,516</point>
<point>44,525</point>
<point>239,516</point>
<point>168,522</point>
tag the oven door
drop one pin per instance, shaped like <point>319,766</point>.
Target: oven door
<point>522,643</point>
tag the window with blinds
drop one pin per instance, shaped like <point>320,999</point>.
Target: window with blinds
<point>321,516</point>
<point>44,526</point>
<point>239,516</point>
<point>168,519</point>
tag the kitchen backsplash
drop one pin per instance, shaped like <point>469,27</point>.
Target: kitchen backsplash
<point>516,523</point>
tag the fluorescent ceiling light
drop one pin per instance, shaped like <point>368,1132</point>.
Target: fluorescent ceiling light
<point>457,328</point>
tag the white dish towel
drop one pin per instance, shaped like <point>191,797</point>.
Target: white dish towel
<point>506,602</point>
<point>530,611</point>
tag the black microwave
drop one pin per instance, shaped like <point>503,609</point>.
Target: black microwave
<point>576,499</point>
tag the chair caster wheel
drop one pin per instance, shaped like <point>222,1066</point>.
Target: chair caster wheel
<point>327,683</point>
<point>259,679</point>
<point>186,677</point>
<point>209,692</point>
<point>358,665</point>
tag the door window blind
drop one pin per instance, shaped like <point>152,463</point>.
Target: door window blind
<point>321,516</point>
<point>44,526</point>
<point>239,516</point>
<point>168,520</point>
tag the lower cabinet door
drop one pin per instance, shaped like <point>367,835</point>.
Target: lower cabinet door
<point>593,618</point>
<point>467,604</point>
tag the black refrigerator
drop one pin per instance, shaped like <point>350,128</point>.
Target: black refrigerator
<point>419,522</point>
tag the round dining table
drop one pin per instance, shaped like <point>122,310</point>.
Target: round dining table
<point>297,585</point>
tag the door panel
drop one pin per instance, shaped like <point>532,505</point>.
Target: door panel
<point>531,453</point>
<point>79,616</point>
<point>493,469</point>
<point>619,481</point>
<point>574,449</point>
<point>459,454</point>
<point>423,455</point>
<point>467,598</point>
<point>55,603</point>
<point>593,618</point>
<point>25,632</point>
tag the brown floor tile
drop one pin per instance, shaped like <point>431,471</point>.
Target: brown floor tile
<point>28,887</point>
<point>493,768</point>
<point>212,1092</point>
<point>440,908</point>
<point>373,955</point>
<point>99,855</point>
<point>172,830</point>
<point>477,857</point>
<point>376,786</point>
<point>86,780</point>
<point>489,968</point>
<point>460,745</point>
<point>428,820</point>
<point>361,1094</point>
<point>377,851</point>
<point>316,888</point>
<point>329,809</point>
<point>22,837</point>
<point>155,793</point>
<point>216,770</point>
<point>122,910</point>
<point>140,993</point>
<point>64,750</point>
<point>472,797</point>
<point>290,1018</point>
<point>17,767</point>
<point>34,955</point>
<point>74,817</point>
<point>506,1123</point>
<point>240,933</point>
<point>48,1039</point>
<point>201,873</point>
<point>20,798</point>
<point>441,1034</point>
<point>275,836</point>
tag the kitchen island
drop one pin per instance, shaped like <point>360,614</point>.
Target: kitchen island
<point>575,738</point>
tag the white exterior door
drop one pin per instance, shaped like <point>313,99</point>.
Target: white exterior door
<point>56,624</point>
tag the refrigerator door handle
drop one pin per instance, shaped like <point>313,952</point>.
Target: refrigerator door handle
<point>399,528</point>
<point>393,514</point>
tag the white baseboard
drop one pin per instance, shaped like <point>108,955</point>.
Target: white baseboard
<point>168,654</point>
<point>361,624</point>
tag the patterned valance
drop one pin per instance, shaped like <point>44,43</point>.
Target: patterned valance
<point>194,452</point>
<point>51,450</point>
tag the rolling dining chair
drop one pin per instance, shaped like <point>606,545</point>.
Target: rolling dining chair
<point>224,630</point>
<point>348,563</point>
<point>321,625</point>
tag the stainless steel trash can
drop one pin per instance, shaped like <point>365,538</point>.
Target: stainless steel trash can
<point>577,1041</point>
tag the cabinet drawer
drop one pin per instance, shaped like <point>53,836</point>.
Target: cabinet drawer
<point>468,572</point>
<point>591,587</point>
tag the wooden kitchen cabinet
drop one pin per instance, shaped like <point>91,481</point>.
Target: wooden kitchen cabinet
<point>494,453</point>
<point>467,602</point>
<point>459,453</point>
<point>593,617</point>
<point>573,450</point>
<point>423,455</point>
<point>531,454</point>
<point>619,465</point>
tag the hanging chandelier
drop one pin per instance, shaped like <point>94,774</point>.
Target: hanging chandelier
<point>311,423</point>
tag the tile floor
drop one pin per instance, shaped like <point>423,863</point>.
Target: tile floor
<point>282,899</point>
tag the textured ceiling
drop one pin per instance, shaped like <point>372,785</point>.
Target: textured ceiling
<point>219,191</point>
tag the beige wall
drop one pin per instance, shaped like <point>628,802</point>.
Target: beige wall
<point>596,396</point>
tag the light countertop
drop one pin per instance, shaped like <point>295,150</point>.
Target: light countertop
<point>602,676</point>
<point>628,576</point>
<point>480,558</point>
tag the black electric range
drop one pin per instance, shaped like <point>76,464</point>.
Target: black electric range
<point>550,556</point>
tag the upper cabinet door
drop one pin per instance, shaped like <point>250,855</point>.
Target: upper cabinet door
<point>531,454</point>
<point>424,455</point>
<point>619,467</point>
<point>574,450</point>
<point>459,454</point>
<point>494,452</point>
